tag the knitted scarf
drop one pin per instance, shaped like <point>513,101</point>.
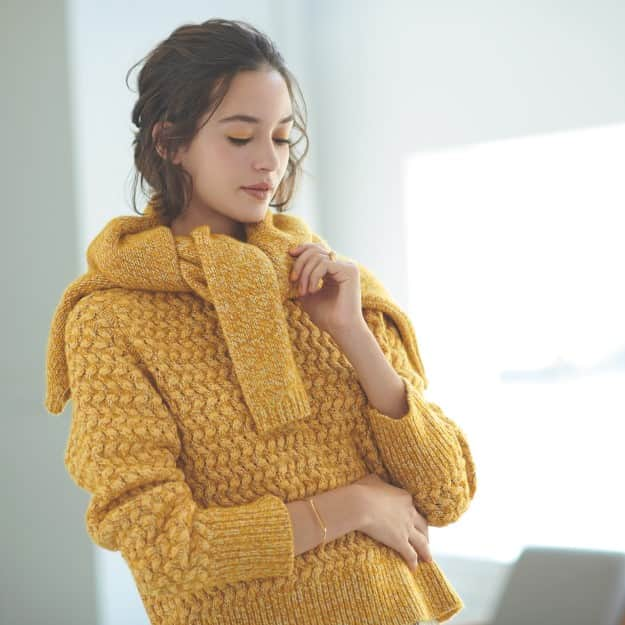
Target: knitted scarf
<point>246,281</point>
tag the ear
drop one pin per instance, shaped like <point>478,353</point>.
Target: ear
<point>156,130</point>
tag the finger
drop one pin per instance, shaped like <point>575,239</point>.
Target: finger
<point>306,278</point>
<point>306,244</point>
<point>297,249</point>
<point>412,558</point>
<point>420,523</point>
<point>422,526</point>
<point>300,261</point>
<point>419,542</point>
<point>327,266</point>
<point>318,272</point>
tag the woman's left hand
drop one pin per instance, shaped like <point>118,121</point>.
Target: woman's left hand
<point>335,306</point>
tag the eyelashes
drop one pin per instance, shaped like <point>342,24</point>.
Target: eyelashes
<point>244,141</point>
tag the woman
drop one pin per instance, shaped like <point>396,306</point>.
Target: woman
<point>248,408</point>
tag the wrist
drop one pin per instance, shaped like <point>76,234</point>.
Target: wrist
<point>357,503</point>
<point>345,334</point>
<point>342,508</point>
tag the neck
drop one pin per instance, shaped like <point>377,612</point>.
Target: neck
<point>184,223</point>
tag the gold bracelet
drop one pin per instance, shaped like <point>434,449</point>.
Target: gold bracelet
<point>323,526</point>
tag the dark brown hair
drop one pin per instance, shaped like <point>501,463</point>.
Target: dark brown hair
<point>185,76</point>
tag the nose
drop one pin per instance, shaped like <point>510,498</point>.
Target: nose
<point>267,156</point>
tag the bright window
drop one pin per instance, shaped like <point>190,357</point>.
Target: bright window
<point>516,257</point>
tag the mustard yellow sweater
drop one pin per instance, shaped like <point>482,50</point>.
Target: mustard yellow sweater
<point>190,462</point>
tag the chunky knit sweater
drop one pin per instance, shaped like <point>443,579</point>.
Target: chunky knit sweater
<point>204,399</point>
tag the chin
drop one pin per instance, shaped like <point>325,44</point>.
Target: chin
<point>255,215</point>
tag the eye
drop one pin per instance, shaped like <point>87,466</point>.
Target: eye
<point>244,141</point>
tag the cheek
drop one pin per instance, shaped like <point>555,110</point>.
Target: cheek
<point>227,156</point>
<point>219,168</point>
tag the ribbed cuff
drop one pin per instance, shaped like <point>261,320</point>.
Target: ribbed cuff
<point>250,541</point>
<point>414,445</point>
<point>388,427</point>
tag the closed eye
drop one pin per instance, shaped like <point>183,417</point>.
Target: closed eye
<point>244,141</point>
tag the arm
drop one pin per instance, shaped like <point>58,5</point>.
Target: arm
<point>123,448</point>
<point>384,388</point>
<point>341,510</point>
<point>423,450</point>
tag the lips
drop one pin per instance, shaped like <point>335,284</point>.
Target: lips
<point>260,194</point>
<point>262,186</point>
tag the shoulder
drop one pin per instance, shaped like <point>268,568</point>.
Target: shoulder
<point>101,308</point>
<point>371,285</point>
<point>128,316</point>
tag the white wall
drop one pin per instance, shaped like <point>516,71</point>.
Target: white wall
<point>47,573</point>
<point>382,80</point>
<point>399,77</point>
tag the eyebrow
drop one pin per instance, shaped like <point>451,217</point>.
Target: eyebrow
<point>253,120</point>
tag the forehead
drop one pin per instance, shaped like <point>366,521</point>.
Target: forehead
<point>262,94</point>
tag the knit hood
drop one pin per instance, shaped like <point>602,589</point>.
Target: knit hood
<point>246,281</point>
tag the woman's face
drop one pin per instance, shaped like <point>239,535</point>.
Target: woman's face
<point>228,154</point>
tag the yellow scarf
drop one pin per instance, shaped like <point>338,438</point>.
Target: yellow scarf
<point>247,282</point>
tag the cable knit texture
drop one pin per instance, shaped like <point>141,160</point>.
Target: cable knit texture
<point>190,461</point>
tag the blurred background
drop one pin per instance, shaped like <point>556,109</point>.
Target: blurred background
<point>470,153</point>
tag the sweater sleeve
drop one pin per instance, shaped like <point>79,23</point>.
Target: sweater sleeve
<point>124,448</point>
<point>424,451</point>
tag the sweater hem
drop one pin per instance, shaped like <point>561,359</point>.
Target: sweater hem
<point>377,590</point>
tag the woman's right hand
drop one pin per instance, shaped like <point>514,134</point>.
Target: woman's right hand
<point>390,517</point>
